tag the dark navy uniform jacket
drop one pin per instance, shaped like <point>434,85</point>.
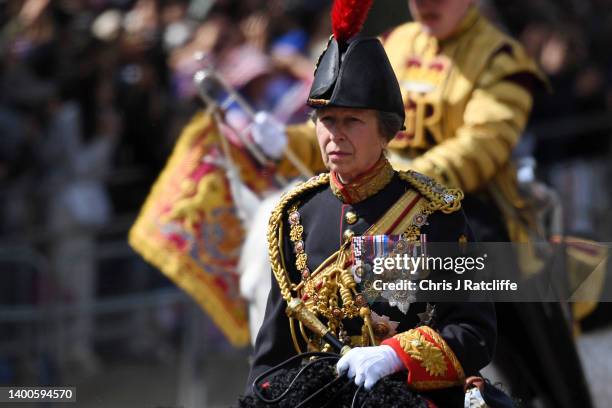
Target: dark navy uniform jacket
<point>469,329</point>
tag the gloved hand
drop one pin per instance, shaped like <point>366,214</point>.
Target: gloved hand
<point>369,364</point>
<point>269,134</point>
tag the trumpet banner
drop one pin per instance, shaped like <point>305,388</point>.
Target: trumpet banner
<point>188,227</point>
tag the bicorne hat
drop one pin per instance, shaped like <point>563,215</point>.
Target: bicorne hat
<point>354,71</point>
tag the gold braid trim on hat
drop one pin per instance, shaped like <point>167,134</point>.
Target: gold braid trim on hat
<point>317,103</point>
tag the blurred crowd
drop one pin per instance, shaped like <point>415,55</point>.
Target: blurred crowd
<point>570,127</point>
<point>90,88</point>
<point>93,94</point>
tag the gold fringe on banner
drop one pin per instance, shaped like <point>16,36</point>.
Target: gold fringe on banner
<point>188,227</point>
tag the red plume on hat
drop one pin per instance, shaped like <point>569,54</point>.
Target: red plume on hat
<point>348,17</point>
<point>354,70</point>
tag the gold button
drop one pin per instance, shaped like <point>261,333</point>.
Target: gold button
<point>348,234</point>
<point>350,217</point>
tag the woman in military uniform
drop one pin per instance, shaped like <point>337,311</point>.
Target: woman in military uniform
<point>467,93</point>
<point>358,111</point>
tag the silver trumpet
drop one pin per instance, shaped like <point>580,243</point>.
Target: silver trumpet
<point>219,96</point>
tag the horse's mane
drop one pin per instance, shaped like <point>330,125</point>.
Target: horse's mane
<point>389,391</point>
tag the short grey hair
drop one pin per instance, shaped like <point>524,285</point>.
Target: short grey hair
<point>389,123</point>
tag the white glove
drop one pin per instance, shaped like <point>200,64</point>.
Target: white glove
<point>269,134</point>
<point>369,364</point>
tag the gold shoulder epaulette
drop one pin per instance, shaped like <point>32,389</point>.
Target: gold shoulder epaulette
<point>275,230</point>
<point>440,197</point>
<point>301,188</point>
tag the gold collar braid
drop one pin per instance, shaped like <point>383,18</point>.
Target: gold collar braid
<point>366,185</point>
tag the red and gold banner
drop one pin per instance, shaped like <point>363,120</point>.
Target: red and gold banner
<point>189,229</point>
